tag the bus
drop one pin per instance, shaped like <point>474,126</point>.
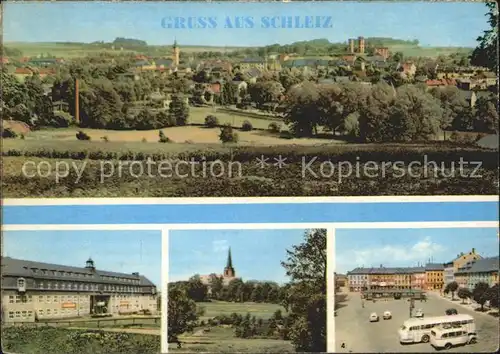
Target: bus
<point>416,330</point>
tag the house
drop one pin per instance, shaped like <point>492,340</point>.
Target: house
<point>407,68</point>
<point>253,74</point>
<point>239,87</point>
<point>43,61</point>
<point>470,97</point>
<point>441,82</point>
<point>382,51</point>
<point>216,86</point>
<point>484,270</point>
<point>5,60</point>
<point>22,73</point>
<point>249,63</point>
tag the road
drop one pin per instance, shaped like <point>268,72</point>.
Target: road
<point>355,334</point>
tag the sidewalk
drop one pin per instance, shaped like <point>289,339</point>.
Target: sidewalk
<point>470,306</point>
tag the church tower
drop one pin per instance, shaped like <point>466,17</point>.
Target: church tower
<point>176,54</point>
<point>229,270</point>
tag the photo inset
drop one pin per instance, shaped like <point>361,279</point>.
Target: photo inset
<point>417,290</point>
<point>259,291</point>
<point>81,292</point>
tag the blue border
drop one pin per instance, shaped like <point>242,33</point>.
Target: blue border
<point>251,213</point>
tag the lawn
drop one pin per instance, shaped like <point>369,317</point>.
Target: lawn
<point>222,340</point>
<point>259,310</point>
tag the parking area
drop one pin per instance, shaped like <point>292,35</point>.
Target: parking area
<point>355,334</point>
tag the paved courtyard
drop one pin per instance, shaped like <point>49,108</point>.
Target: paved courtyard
<point>355,334</point>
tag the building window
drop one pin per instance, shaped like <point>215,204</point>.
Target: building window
<point>11,314</point>
<point>56,298</point>
<point>21,283</point>
<point>49,299</point>
<point>11,299</point>
<point>48,312</point>
<point>40,312</point>
<point>55,311</point>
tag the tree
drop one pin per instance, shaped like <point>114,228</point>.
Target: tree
<point>302,111</point>
<point>196,290</point>
<point>227,135</point>
<point>486,115</point>
<point>452,287</point>
<point>178,110</point>
<point>480,293</point>
<point>216,285</point>
<point>464,293</point>
<point>453,104</point>
<point>492,295</point>
<point>306,298</point>
<point>182,313</point>
<point>486,52</point>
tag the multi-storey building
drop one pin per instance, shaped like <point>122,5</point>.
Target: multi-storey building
<point>33,290</point>
<point>464,258</point>
<point>448,273</point>
<point>434,276</point>
<point>386,278</point>
<point>483,270</point>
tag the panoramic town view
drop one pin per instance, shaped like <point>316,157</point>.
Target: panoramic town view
<point>81,292</point>
<point>247,291</point>
<point>87,108</point>
<point>417,290</point>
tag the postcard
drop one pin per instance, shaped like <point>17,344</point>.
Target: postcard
<point>243,99</point>
<point>416,290</point>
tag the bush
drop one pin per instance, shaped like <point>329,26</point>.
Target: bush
<point>227,135</point>
<point>211,121</point>
<point>105,138</point>
<point>274,127</point>
<point>9,133</point>
<point>82,136</point>
<point>246,126</point>
<point>163,138</point>
<point>285,134</point>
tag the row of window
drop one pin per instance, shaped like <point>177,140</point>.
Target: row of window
<point>62,273</point>
<point>429,326</point>
<point>86,287</point>
<point>52,312</point>
<point>20,314</point>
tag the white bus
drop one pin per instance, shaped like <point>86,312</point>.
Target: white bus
<point>417,330</point>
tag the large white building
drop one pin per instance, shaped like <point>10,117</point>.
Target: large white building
<point>34,291</point>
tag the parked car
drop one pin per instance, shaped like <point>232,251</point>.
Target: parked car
<point>449,337</point>
<point>419,313</point>
<point>374,317</point>
<point>450,312</point>
<point>387,315</point>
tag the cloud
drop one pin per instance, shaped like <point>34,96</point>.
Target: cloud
<point>219,246</point>
<point>390,255</point>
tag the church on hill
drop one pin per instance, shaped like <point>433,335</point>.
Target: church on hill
<point>227,276</point>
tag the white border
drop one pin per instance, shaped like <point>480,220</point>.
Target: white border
<point>330,289</point>
<point>249,200</point>
<point>164,291</point>
<point>255,226</point>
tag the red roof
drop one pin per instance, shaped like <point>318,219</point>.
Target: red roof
<point>5,60</point>
<point>442,82</point>
<point>23,71</point>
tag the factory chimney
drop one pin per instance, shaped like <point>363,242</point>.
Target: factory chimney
<point>77,103</point>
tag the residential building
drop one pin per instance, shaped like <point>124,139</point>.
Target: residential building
<point>256,63</point>
<point>357,279</point>
<point>382,51</point>
<point>407,68</point>
<point>434,276</point>
<point>34,290</point>
<point>484,270</point>
<point>464,258</point>
<point>417,278</point>
<point>448,273</point>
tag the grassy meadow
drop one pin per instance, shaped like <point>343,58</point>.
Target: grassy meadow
<point>259,310</point>
<point>221,338</point>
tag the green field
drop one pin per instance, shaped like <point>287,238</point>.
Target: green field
<point>222,340</point>
<point>430,52</point>
<point>259,310</point>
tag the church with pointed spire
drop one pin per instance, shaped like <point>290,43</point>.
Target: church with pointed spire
<point>228,274</point>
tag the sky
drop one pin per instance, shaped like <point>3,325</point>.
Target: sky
<point>115,251</point>
<point>256,254</point>
<point>433,24</point>
<point>407,247</point>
